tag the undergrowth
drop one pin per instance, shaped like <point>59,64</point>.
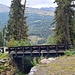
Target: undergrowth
<point>70,52</point>
<point>36,60</point>
<point>3,55</point>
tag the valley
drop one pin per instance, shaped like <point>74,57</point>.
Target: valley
<point>38,21</point>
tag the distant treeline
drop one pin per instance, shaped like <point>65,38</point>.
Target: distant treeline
<point>38,25</point>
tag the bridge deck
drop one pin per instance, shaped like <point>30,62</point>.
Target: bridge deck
<point>19,53</point>
<point>45,50</point>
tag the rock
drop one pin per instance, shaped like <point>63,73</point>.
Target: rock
<point>31,73</point>
<point>8,69</point>
<point>51,59</point>
<point>44,61</point>
<point>8,73</point>
<point>6,60</point>
<point>3,73</point>
<point>33,69</point>
<point>47,61</point>
<point>2,61</point>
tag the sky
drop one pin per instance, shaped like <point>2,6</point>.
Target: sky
<point>33,3</point>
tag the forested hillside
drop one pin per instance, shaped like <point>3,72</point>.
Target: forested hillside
<point>4,8</point>
<point>39,24</point>
<point>38,21</point>
<point>3,19</point>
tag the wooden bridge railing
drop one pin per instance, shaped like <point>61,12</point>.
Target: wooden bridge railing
<point>38,49</point>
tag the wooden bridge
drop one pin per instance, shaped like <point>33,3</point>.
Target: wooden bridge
<point>37,51</point>
<point>21,52</point>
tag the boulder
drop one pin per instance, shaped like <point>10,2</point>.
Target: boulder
<point>51,59</point>
<point>33,69</point>
<point>46,61</point>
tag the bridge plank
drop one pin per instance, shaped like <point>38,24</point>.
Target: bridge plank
<point>38,50</point>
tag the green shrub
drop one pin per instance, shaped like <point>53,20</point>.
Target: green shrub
<point>21,42</point>
<point>3,55</point>
<point>70,52</point>
<point>36,60</point>
<point>11,42</point>
<point>2,68</point>
<point>20,73</point>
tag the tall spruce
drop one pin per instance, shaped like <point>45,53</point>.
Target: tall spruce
<point>64,19</point>
<point>17,27</point>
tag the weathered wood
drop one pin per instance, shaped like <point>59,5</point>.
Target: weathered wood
<point>37,50</point>
<point>23,64</point>
<point>57,50</point>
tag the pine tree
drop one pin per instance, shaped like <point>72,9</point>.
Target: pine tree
<point>64,15</point>
<point>1,39</point>
<point>17,27</point>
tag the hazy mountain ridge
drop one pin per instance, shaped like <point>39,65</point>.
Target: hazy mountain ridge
<point>39,11</point>
<point>45,10</point>
<point>48,9</point>
<point>4,8</point>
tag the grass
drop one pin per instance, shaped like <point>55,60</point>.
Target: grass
<point>6,66</point>
<point>3,55</point>
<point>2,68</point>
<point>35,39</point>
<point>70,52</point>
<point>2,65</point>
<point>63,65</point>
<point>36,60</point>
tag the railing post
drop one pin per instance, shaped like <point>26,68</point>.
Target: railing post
<point>9,50</point>
<point>56,50</point>
<point>39,49</point>
<point>23,51</point>
<point>31,50</point>
<point>66,47</point>
<point>15,52</point>
<point>23,64</point>
<point>47,50</point>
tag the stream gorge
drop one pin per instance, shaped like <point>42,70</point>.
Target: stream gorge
<point>14,66</point>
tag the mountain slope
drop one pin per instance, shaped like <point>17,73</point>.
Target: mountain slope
<point>38,21</point>
<point>44,11</point>
<point>39,11</point>
<point>4,8</point>
<point>48,9</point>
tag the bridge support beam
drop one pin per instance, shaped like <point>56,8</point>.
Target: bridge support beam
<point>23,64</point>
<point>56,50</point>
